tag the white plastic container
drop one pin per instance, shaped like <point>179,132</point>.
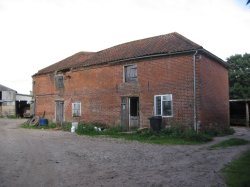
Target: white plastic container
<point>73,129</point>
<point>75,124</point>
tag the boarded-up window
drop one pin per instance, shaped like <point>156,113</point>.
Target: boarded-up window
<point>76,109</point>
<point>59,81</point>
<point>130,73</point>
<point>163,105</point>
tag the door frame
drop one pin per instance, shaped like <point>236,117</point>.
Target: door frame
<point>63,116</point>
<point>126,111</point>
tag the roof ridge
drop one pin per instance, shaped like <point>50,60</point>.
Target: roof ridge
<point>186,39</point>
<point>165,44</point>
<point>2,87</point>
<point>137,40</point>
<point>151,42</point>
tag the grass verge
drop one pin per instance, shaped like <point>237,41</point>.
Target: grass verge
<point>173,135</point>
<point>66,126</point>
<point>230,142</point>
<point>166,136</point>
<point>237,172</point>
<point>49,126</point>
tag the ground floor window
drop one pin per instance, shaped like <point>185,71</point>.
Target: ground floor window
<point>76,109</point>
<point>163,105</point>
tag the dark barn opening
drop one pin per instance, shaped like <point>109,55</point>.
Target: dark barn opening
<point>239,112</point>
<point>22,109</point>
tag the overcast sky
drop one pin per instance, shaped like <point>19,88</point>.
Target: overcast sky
<point>37,33</point>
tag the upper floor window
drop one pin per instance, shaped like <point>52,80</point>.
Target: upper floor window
<point>59,81</point>
<point>130,73</point>
<point>163,105</point>
<point>76,109</point>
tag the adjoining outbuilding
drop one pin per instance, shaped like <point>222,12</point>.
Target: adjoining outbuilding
<point>239,112</point>
<point>167,75</point>
<point>13,104</point>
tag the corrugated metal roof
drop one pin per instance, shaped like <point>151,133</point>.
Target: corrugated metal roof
<point>4,88</point>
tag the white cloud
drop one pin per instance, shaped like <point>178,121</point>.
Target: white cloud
<point>37,33</point>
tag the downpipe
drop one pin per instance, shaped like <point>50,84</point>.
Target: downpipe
<point>194,92</point>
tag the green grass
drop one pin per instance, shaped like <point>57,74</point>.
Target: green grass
<point>237,173</point>
<point>66,126</point>
<point>173,135</point>
<point>221,132</point>
<point>49,126</point>
<point>166,136</point>
<point>229,143</point>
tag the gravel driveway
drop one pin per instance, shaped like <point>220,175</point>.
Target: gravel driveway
<point>55,158</point>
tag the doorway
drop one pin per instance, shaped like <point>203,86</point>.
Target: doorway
<point>130,112</point>
<point>59,112</point>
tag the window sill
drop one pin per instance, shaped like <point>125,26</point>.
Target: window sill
<point>165,116</point>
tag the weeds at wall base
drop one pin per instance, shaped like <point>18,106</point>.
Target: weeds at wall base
<point>172,135</point>
<point>166,136</point>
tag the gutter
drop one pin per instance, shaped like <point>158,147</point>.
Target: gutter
<point>141,57</point>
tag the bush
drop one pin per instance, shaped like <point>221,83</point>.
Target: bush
<point>176,133</point>
<point>52,125</point>
<point>66,126</point>
<point>97,129</point>
<point>86,129</point>
<point>186,134</point>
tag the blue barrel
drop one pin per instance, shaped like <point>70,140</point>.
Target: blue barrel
<point>43,122</point>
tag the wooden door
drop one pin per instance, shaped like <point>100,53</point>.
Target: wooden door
<point>59,112</point>
<point>124,113</point>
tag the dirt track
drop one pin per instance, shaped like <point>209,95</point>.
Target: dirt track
<point>56,158</point>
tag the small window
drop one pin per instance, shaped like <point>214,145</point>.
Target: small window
<point>0,95</point>
<point>76,109</point>
<point>59,81</point>
<point>163,105</point>
<point>130,73</point>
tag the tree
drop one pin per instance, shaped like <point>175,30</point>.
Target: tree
<point>239,76</point>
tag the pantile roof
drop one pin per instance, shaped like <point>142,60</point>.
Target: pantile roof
<point>66,63</point>
<point>163,44</point>
<point>168,44</point>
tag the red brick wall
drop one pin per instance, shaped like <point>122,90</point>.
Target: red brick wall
<point>96,88</point>
<point>100,89</point>
<point>214,94</point>
<point>171,75</point>
<point>44,93</point>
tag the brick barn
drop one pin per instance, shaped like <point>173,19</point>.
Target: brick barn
<point>166,75</point>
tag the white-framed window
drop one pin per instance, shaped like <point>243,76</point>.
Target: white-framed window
<point>163,105</point>
<point>130,73</point>
<point>76,109</point>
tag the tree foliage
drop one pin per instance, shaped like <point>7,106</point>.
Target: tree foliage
<point>239,76</point>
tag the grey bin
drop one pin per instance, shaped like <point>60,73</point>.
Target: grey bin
<point>155,123</point>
